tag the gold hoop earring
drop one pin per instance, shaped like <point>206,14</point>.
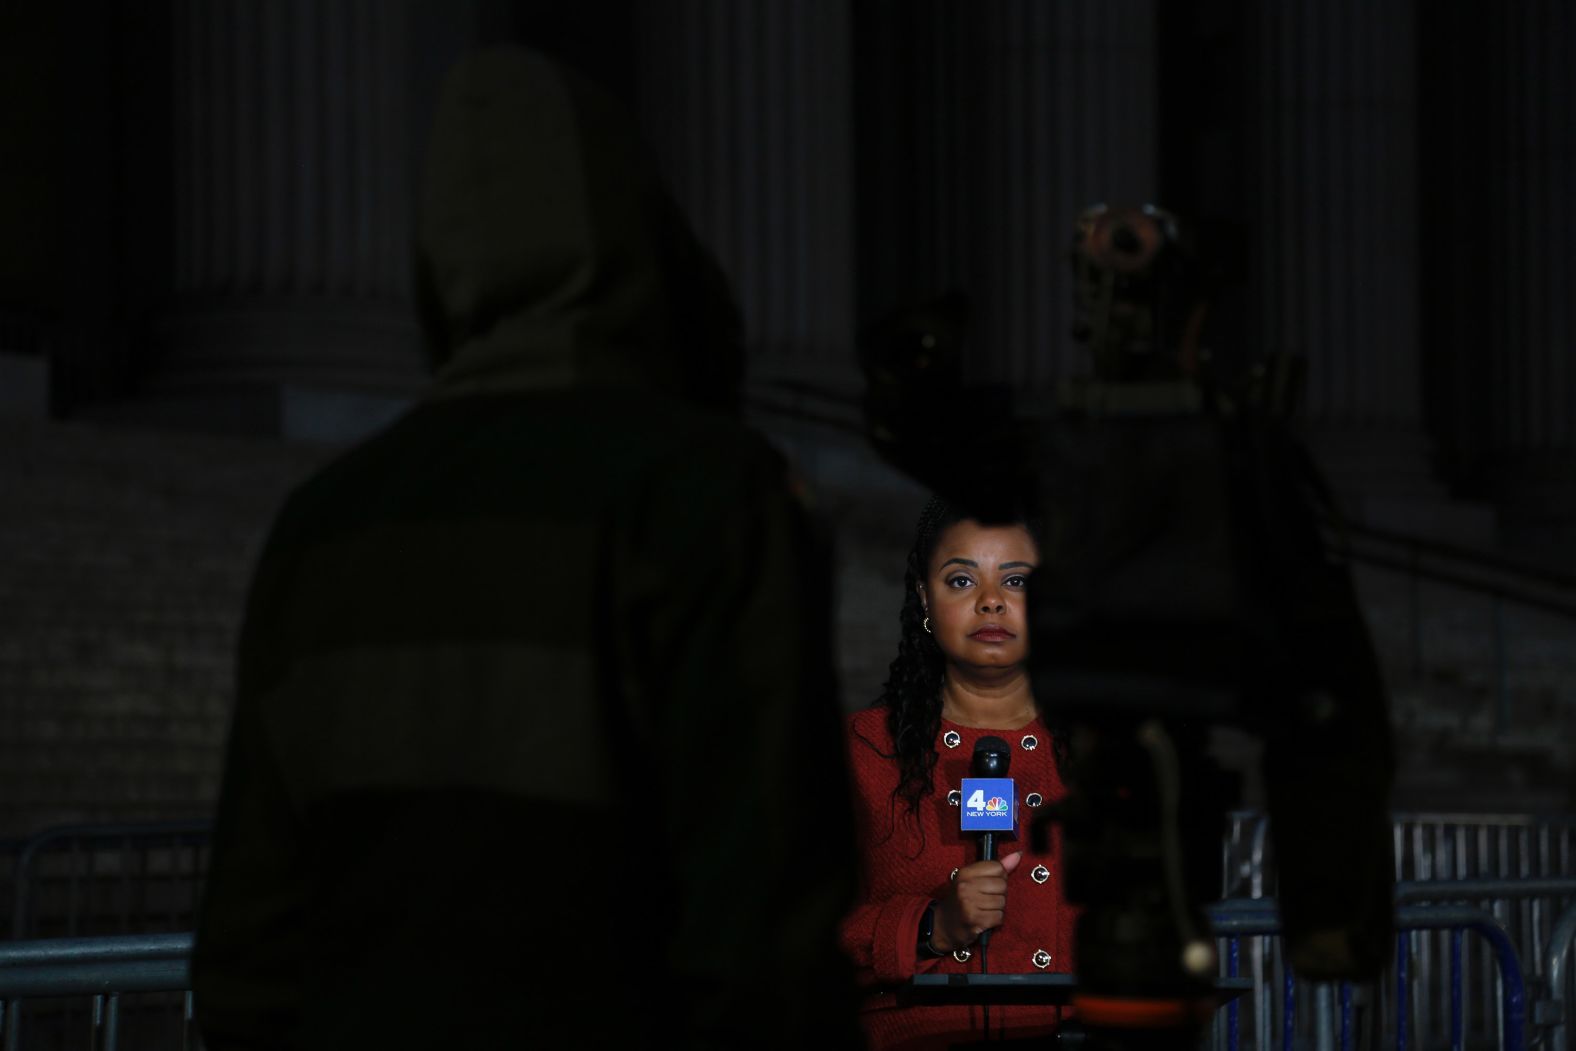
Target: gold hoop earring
<point>926,625</point>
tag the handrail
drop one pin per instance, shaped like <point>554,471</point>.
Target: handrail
<point>136,963</point>
<point>1482,587</point>
<point>1527,575</point>
<point>103,968</point>
<point>1442,890</point>
<point>1487,559</point>
<point>796,413</point>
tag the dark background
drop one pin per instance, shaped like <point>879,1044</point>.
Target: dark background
<point>205,217</point>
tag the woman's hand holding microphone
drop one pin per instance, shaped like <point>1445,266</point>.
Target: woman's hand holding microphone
<point>975,901</point>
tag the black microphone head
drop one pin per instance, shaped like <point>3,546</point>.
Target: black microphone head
<point>992,756</point>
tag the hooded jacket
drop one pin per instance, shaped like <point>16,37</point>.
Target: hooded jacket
<point>536,740</point>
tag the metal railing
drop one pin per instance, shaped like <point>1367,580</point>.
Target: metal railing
<point>73,889</point>
<point>108,879</point>
<point>1509,592</point>
<point>1331,1024</point>
<point>1521,868</point>
<point>109,968</point>
<point>1559,963</point>
<point>105,969</point>
<point>1427,847</point>
<point>1467,568</point>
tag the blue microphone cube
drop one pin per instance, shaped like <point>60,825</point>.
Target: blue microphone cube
<point>989,805</point>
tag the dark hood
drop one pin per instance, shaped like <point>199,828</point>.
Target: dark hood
<point>549,253</point>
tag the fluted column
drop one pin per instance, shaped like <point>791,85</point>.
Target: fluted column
<point>1337,250</point>
<point>985,129</point>
<point>1065,118</point>
<point>749,109</point>
<point>1532,222</point>
<point>1335,264</point>
<point>1525,273</point>
<point>292,154</point>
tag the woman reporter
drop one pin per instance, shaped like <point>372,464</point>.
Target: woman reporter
<point>960,674</point>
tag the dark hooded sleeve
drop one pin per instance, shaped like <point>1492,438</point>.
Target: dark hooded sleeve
<point>251,935</point>
<point>728,636</point>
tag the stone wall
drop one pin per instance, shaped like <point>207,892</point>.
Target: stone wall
<point>124,557</point>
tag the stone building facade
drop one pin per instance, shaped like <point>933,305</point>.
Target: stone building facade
<point>204,291</point>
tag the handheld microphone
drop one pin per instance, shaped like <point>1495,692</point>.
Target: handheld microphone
<point>990,806</point>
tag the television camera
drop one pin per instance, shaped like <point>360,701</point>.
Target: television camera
<point>1191,577</point>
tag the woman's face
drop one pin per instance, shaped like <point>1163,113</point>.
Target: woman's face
<point>976,593</point>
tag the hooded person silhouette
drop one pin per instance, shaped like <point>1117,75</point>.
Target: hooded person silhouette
<point>536,739</point>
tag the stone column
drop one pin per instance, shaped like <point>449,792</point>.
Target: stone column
<point>292,166</point>
<point>1530,142</point>
<point>986,129</point>
<point>1065,118</point>
<point>1336,259</point>
<point>749,109</point>
<point>1337,225</point>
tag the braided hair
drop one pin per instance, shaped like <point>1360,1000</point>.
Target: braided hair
<point>912,692</point>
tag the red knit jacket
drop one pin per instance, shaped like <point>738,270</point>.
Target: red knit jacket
<point>907,864</point>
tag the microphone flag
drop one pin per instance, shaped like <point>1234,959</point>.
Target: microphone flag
<point>990,804</point>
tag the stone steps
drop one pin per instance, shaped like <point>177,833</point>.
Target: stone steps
<point>127,555</point>
<point>1436,642</point>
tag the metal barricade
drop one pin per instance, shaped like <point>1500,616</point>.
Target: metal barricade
<point>106,969</point>
<point>1427,847</point>
<point>101,880</point>
<point>1526,908</point>
<point>109,879</point>
<point>1435,850</point>
<point>1330,1023</point>
<point>1559,969</point>
<point>1239,860</point>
